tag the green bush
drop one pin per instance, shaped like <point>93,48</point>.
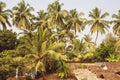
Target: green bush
<point>8,40</point>
<point>113,58</point>
<point>62,69</point>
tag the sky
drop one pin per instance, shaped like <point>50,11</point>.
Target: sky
<point>110,6</point>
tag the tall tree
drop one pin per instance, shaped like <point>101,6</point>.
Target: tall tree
<point>116,23</point>
<point>4,16</point>
<point>56,15</point>
<point>98,24</point>
<point>42,19</point>
<point>22,15</point>
<point>57,21</point>
<point>75,22</point>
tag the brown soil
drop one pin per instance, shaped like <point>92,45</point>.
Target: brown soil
<point>54,76</point>
<point>112,73</point>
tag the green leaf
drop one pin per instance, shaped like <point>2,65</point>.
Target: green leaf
<point>2,19</point>
<point>40,66</point>
<point>56,46</point>
<point>21,23</point>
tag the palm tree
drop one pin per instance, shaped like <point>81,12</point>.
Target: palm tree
<point>42,50</point>
<point>75,22</point>
<point>98,24</point>
<point>78,46</point>
<point>22,15</point>
<point>88,41</point>
<point>4,15</point>
<point>116,22</point>
<point>42,19</point>
<point>56,15</point>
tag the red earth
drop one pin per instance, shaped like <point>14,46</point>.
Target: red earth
<point>112,73</point>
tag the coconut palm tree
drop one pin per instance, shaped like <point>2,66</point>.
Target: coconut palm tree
<point>56,15</point>
<point>42,19</point>
<point>75,22</point>
<point>78,46</point>
<point>116,23</point>
<point>98,24</point>
<point>88,41</point>
<point>4,15</point>
<point>57,21</point>
<point>22,15</point>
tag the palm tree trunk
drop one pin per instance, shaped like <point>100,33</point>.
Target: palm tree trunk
<point>96,37</point>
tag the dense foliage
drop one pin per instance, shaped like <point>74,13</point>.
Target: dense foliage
<point>8,40</point>
<point>49,39</point>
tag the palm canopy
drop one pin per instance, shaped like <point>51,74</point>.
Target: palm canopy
<point>78,46</point>
<point>4,15</point>
<point>42,49</point>
<point>88,41</point>
<point>75,22</point>
<point>116,27</point>
<point>22,15</point>
<point>42,19</point>
<point>56,15</point>
<point>98,24</point>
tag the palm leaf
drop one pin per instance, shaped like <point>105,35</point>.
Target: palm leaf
<point>104,15</point>
<point>44,46</point>
<point>115,16</point>
<point>40,66</point>
<point>64,13</point>
<point>2,19</point>
<point>56,46</point>
<point>21,23</point>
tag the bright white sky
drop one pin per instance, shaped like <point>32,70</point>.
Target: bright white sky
<point>110,6</point>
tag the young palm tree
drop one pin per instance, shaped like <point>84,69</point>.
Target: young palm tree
<point>42,50</point>
<point>22,15</point>
<point>4,15</point>
<point>116,22</point>
<point>98,24</point>
<point>75,22</point>
<point>88,41</point>
<point>78,46</point>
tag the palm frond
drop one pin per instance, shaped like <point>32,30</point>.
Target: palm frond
<point>104,15</point>
<point>57,46</point>
<point>40,66</point>
<point>115,16</point>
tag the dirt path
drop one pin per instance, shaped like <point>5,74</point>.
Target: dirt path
<point>84,74</point>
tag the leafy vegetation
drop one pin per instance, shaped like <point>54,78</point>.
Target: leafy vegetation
<point>49,39</point>
<point>8,40</point>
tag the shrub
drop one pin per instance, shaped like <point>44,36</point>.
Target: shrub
<point>62,69</point>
